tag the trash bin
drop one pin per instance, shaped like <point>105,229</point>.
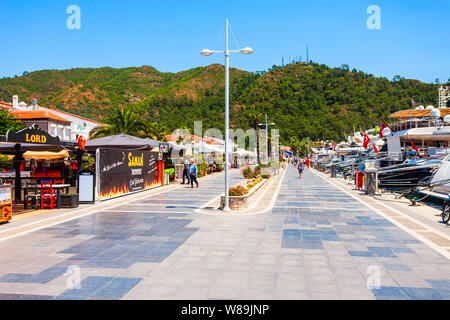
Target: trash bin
<point>370,184</point>
<point>166,178</point>
<point>333,171</point>
<point>359,178</point>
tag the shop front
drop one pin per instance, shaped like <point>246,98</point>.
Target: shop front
<point>37,157</point>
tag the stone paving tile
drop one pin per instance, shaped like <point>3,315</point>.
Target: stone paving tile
<point>316,243</point>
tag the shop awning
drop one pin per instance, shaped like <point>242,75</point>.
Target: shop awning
<point>46,155</point>
<point>122,141</point>
<point>10,148</point>
<point>118,141</point>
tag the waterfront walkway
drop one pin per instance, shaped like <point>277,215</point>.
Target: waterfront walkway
<point>317,242</point>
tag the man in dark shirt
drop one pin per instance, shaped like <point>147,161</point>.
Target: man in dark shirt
<point>300,168</point>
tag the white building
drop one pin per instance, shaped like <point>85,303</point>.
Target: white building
<point>70,130</point>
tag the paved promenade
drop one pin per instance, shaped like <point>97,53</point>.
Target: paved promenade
<point>317,242</point>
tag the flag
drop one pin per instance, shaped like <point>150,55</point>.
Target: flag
<point>415,148</point>
<point>382,127</point>
<point>413,103</point>
<point>375,148</point>
<point>366,141</point>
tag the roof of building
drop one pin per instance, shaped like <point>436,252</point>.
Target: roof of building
<point>174,137</point>
<point>407,114</point>
<point>5,105</point>
<point>37,114</point>
<point>73,115</point>
<point>8,106</point>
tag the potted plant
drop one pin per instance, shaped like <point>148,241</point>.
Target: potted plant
<point>69,200</point>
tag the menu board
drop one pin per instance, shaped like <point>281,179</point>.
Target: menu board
<point>5,202</point>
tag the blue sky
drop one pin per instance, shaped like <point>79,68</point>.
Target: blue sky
<point>169,34</point>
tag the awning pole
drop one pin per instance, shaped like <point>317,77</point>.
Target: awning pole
<point>17,161</point>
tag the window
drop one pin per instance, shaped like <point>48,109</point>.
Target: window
<point>67,134</point>
<point>52,130</point>
<point>60,131</point>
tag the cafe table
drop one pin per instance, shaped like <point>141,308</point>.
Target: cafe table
<point>58,188</point>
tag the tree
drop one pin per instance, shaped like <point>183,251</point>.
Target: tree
<point>122,120</point>
<point>153,130</point>
<point>255,120</point>
<point>294,143</point>
<point>9,122</point>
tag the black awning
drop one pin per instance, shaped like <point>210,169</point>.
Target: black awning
<point>121,141</point>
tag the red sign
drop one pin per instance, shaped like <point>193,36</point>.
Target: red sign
<point>81,142</point>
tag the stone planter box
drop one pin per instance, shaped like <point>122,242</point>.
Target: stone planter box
<point>266,171</point>
<point>242,202</point>
<point>69,201</point>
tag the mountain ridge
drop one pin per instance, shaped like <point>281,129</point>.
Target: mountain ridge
<point>302,99</point>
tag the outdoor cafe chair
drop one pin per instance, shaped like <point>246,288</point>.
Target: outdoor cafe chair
<point>31,194</point>
<point>48,198</point>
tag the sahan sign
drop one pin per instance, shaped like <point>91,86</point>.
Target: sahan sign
<point>125,171</point>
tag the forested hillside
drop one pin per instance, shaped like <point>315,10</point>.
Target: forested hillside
<point>304,100</point>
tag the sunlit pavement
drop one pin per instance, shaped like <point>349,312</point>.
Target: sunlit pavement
<point>316,243</point>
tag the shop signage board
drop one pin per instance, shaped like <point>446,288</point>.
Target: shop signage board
<point>125,171</point>
<point>33,134</point>
<point>164,147</point>
<point>394,147</point>
<point>5,202</point>
<point>86,186</point>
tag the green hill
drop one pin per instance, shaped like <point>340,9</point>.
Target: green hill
<point>303,100</point>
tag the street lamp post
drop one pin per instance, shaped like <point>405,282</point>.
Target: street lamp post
<point>208,52</point>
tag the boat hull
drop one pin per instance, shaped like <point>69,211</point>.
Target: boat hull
<point>410,178</point>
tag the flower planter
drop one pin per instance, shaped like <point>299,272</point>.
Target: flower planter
<point>69,201</point>
<point>242,202</point>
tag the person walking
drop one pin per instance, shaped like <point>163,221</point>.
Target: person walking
<point>307,163</point>
<point>193,171</point>
<point>300,167</point>
<point>186,172</point>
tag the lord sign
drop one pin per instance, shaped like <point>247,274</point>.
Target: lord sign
<point>33,134</point>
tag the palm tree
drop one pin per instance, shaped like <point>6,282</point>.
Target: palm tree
<point>122,120</point>
<point>255,120</point>
<point>295,144</point>
<point>153,130</point>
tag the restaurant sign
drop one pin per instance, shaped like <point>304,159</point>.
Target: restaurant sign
<point>5,203</point>
<point>124,171</point>
<point>33,134</point>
